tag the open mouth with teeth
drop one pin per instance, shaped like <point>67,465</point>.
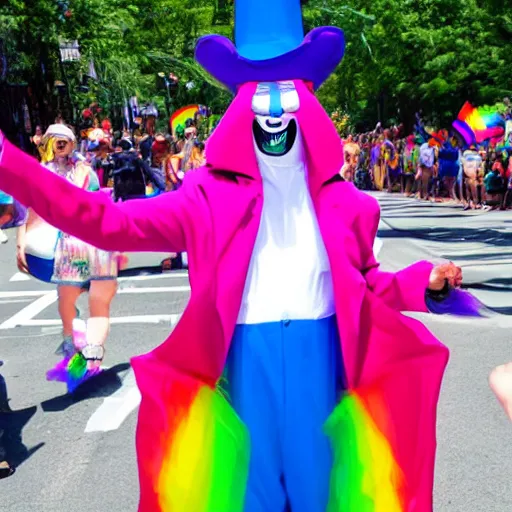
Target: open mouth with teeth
<point>275,143</point>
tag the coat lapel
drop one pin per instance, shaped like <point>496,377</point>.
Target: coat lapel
<point>337,218</point>
<point>236,204</point>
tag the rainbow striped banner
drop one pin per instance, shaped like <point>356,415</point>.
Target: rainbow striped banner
<point>180,117</point>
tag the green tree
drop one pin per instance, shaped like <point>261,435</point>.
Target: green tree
<point>402,56</point>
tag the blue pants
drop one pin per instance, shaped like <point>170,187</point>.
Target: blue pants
<point>284,380</point>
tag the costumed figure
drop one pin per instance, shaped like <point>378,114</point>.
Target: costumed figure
<point>292,381</point>
<point>410,164</point>
<point>106,126</point>
<point>161,159</point>
<point>377,163</point>
<point>449,165</point>
<point>426,171</point>
<point>391,160</point>
<point>100,147</point>
<point>351,160</point>
<point>363,178</point>
<point>495,180</point>
<point>428,168</point>
<point>132,175</point>
<point>75,266</point>
<point>471,163</point>
<point>189,155</point>
<point>86,126</point>
<point>144,141</point>
<point>190,140</point>
<point>197,157</point>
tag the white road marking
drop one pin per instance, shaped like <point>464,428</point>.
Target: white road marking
<point>158,289</point>
<point>111,414</point>
<point>121,291</point>
<point>117,320</point>
<point>151,277</point>
<point>27,293</point>
<point>14,301</point>
<point>25,317</point>
<point>377,246</point>
<point>19,276</point>
<point>30,311</point>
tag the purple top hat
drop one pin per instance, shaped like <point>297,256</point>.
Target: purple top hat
<point>270,47</point>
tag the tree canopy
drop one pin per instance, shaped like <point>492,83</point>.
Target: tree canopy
<point>401,57</point>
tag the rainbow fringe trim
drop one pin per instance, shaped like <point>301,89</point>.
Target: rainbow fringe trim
<point>73,371</point>
<point>200,460</point>
<point>365,475</point>
<point>205,460</point>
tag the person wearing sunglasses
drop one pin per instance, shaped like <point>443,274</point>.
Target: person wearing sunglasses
<point>75,266</point>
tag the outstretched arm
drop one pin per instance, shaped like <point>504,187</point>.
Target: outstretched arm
<point>403,290</point>
<point>138,225</point>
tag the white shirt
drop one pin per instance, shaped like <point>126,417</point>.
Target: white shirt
<point>289,275</point>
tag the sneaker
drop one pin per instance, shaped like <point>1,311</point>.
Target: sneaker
<point>66,348</point>
<point>3,237</point>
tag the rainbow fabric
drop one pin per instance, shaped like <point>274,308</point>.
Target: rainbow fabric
<point>366,476</point>
<point>72,371</point>
<point>180,117</point>
<point>200,461</point>
<point>195,448</point>
<point>477,125</point>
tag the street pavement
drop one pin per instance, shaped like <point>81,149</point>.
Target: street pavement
<point>78,453</point>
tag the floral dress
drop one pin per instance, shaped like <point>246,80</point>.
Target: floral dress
<point>77,263</point>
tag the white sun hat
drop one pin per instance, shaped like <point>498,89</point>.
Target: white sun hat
<point>59,130</point>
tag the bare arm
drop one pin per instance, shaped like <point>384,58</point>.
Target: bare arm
<point>139,225</point>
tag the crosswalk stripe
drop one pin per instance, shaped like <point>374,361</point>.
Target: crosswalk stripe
<point>19,276</point>
<point>116,320</point>
<point>111,414</point>
<point>122,291</point>
<point>30,311</point>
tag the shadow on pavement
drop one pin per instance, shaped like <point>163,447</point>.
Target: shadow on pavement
<point>495,249</point>
<point>487,236</point>
<point>141,271</point>
<point>424,216</point>
<point>166,266</point>
<point>12,423</point>
<point>499,284</point>
<point>101,386</point>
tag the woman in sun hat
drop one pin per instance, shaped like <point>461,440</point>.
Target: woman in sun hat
<point>75,266</point>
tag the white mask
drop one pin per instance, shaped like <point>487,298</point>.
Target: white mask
<point>275,126</point>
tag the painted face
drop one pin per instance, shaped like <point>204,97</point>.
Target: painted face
<point>62,148</point>
<point>351,157</point>
<point>275,126</point>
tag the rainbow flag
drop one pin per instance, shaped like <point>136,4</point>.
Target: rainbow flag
<point>478,125</point>
<point>180,117</point>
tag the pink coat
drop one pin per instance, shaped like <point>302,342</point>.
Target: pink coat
<point>215,217</point>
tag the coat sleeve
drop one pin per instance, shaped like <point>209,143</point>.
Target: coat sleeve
<point>403,290</point>
<point>142,225</point>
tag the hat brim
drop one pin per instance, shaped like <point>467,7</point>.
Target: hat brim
<point>313,61</point>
